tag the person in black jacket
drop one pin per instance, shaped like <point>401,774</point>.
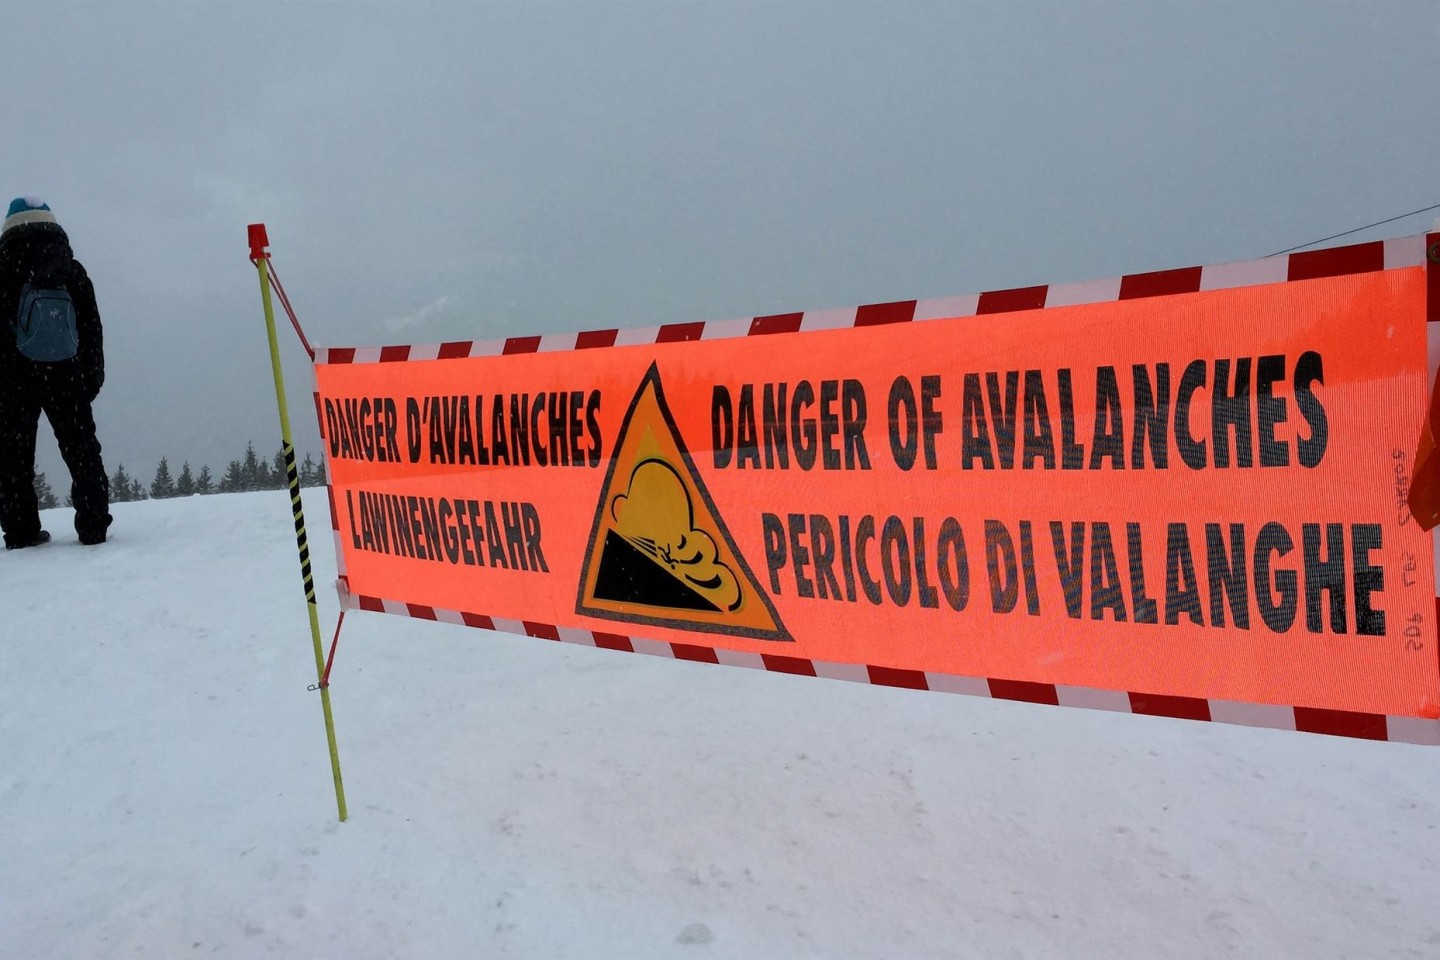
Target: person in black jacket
<point>35,250</point>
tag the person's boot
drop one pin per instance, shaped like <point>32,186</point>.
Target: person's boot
<point>42,537</point>
<point>91,533</point>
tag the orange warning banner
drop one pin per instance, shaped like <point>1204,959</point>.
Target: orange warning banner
<point>1199,495</point>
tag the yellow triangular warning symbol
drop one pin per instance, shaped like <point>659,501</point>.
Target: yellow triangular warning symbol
<point>659,554</point>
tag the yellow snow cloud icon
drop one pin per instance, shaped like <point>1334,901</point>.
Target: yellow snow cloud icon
<point>656,515</point>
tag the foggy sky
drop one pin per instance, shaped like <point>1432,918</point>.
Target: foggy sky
<point>433,171</point>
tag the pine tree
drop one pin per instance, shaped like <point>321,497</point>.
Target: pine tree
<point>137,491</point>
<point>311,473</point>
<point>279,475</point>
<point>203,483</point>
<point>120,485</point>
<point>185,485</point>
<point>234,479</point>
<point>253,473</point>
<point>163,486</point>
<point>44,496</point>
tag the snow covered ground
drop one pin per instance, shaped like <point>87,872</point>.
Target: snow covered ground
<point>165,792</point>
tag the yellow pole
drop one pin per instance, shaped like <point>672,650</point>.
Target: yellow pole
<point>258,242</point>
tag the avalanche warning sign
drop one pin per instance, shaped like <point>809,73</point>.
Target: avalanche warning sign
<point>1183,491</point>
<point>659,552</point>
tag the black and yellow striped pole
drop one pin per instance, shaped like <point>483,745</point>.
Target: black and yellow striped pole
<point>261,258</point>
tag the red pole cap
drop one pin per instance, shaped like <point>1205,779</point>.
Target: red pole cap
<point>258,240</point>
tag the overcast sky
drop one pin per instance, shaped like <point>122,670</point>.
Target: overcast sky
<point>434,171</point>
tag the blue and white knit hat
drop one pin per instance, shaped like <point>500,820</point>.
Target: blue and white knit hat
<point>27,210</point>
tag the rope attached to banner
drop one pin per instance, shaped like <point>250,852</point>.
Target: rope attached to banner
<point>290,311</point>
<point>261,258</point>
<point>1346,233</point>
<point>330,660</point>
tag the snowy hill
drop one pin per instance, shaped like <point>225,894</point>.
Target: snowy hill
<point>165,792</point>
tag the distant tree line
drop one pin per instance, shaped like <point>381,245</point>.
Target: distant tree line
<point>247,473</point>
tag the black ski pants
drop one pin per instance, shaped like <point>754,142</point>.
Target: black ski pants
<point>68,411</point>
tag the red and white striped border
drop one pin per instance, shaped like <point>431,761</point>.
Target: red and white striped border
<point>1341,723</point>
<point>1337,261</point>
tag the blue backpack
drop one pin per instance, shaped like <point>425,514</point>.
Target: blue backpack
<point>45,324</point>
